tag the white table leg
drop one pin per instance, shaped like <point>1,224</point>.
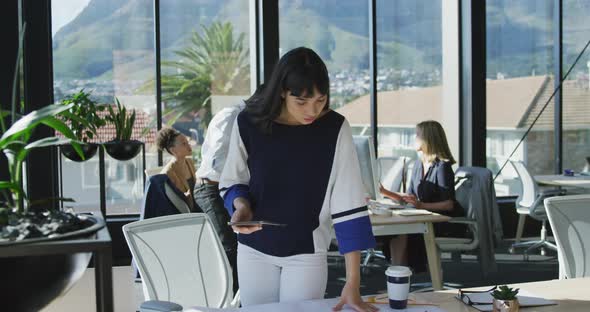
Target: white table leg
<point>433,258</point>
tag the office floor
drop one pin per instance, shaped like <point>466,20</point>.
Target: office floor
<point>511,269</point>
<point>467,273</point>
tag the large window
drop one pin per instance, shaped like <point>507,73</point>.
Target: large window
<point>338,31</point>
<point>519,83</point>
<point>576,89</point>
<point>205,62</point>
<point>106,48</point>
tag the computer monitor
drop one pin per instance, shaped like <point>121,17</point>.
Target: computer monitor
<point>367,161</point>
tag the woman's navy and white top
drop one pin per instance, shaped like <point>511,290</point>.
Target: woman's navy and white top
<point>307,177</point>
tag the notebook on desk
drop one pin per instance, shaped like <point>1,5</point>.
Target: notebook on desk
<point>482,301</point>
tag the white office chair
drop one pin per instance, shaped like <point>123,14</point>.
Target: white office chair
<point>531,204</point>
<point>182,261</point>
<point>569,217</point>
<point>455,245</point>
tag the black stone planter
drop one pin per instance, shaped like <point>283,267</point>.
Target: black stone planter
<point>89,150</point>
<point>31,282</point>
<point>123,150</point>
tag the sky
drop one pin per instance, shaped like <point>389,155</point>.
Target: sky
<point>63,11</point>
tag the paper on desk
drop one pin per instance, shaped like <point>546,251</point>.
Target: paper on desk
<point>412,212</point>
<point>525,299</point>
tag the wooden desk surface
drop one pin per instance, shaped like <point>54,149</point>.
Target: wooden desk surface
<point>395,219</point>
<point>571,295</point>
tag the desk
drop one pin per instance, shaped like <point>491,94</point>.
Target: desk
<point>579,181</point>
<point>396,225</point>
<point>571,295</point>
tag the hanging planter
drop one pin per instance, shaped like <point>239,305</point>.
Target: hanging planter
<point>122,147</point>
<point>123,150</point>
<point>88,150</point>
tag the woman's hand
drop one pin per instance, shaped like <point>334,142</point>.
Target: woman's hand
<point>382,190</point>
<point>352,297</point>
<point>243,213</point>
<point>411,199</point>
<point>389,194</point>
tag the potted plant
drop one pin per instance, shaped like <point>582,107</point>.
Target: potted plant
<point>122,147</point>
<point>505,299</point>
<point>32,282</point>
<point>84,119</point>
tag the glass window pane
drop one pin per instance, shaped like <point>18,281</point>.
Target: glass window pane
<point>519,83</point>
<point>338,32</point>
<point>409,56</point>
<point>106,48</point>
<point>576,89</point>
<point>205,63</point>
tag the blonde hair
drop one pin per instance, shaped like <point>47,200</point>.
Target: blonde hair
<point>435,141</point>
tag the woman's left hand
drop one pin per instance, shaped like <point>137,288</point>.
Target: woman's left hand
<point>352,297</point>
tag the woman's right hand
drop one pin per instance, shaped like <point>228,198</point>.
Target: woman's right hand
<point>382,190</point>
<point>243,213</point>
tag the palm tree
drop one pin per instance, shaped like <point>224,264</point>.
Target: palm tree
<point>213,63</point>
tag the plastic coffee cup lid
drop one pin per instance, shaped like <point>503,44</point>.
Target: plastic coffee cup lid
<point>398,271</point>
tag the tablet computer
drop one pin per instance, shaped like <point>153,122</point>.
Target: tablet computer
<point>255,223</point>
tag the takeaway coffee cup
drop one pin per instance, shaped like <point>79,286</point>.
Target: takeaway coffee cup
<point>398,286</point>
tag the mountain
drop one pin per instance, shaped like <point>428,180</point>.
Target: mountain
<point>519,33</point>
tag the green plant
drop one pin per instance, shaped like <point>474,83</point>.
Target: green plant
<point>123,122</point>
<point>83,116</point>
<point>215,62</point>
<point>16,144</point>
<point>505,293</point>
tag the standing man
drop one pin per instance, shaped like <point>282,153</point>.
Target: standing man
<point>213,155</point>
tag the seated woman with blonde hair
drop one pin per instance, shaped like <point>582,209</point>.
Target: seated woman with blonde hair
<point>179,169</point>
<point>432,187</point>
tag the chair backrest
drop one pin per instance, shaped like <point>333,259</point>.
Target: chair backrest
<point>181,259</point>
<point>152,171</point>
<point>391,170</point>
<point>176,200</point>
<point>569,217</point>
<point>367,160</point>
<point>530,190</point>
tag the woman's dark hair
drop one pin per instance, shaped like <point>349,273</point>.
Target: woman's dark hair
<point>298,71</point>
<point>166,138</point>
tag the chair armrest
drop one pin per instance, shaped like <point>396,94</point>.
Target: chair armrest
<point>471,224</point>
<point>462,246</point>
<point>235,303</point>
<point>159,306</point>
<point>463,220</point>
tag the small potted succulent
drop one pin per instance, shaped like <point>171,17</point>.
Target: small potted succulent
<point>505,299</point>
<point>84,119</point>
<point>122,147</point>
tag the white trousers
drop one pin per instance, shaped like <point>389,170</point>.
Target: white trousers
<point>266,279</point>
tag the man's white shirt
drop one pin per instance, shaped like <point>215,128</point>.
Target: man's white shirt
<point>216,144</point>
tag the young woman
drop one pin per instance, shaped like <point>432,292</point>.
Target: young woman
<point>432,187</point>
<point>179,169</point>
<point>292,161</point>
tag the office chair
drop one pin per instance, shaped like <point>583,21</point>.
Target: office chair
<point>531,204</point>
<point>182,263</point>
